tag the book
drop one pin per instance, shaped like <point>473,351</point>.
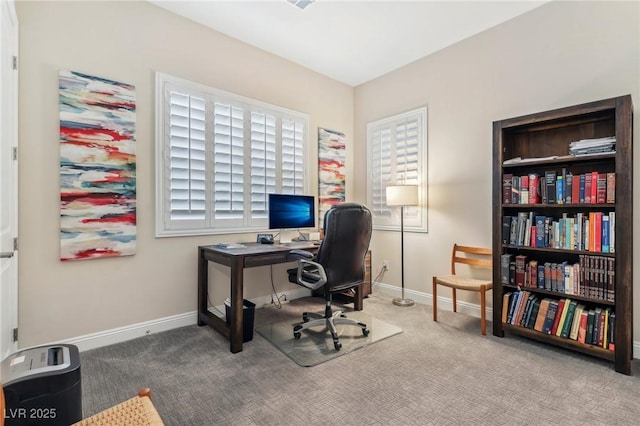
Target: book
<point>534,188</point>
<point>601,188</point>
<point>582,189</point>
<point>505,260</point>
<point>506,229</point>
<point>611,188</point>
<point>594,186</point>
<point>582,328</point>
<point>590,320</point>
<point>575,189</point>
<point>542,314</point>
<point>507,184</point>
<point>559,189</point>
<point>539,220</point>
<point>568,188</point>
<point>587,188</point>
<point>568,321</point>
<point>550,317</point>
<point>506,300</point>
<point>524,189</point>
<point>612,334</point>
<point>558,321</point>
<point>550,183</point>
<point>575,326</point>
<point>520,262</point>
<point>515,297</point>
<point>612,232</point>
<point>534,314</point>
<point>605,233</point>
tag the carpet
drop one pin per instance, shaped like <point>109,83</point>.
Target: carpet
<point>316,345</point>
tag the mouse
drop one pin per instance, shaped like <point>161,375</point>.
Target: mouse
<point>265,240</point>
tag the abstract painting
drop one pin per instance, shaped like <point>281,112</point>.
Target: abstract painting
<point>97,167</point>
<point>331,163</point>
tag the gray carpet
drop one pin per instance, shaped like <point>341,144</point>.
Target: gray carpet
<point>442,373</point>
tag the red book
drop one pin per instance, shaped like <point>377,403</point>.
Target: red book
<point>587,187</point>
<point>594,186</point>
<point>520,265</point>
<point>575,189</point>
<point>601,189</point>
<point>556,320</point>
<point>582,329</point>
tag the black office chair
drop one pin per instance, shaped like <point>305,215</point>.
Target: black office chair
<point>338,265</point>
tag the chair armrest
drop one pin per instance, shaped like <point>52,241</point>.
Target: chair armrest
<point>311,274</point>
<point>300,254</point>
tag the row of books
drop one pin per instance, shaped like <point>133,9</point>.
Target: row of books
<point>588,231</point>
<point>566,318</point>
<point>564,188</point>
<point>591,276</point>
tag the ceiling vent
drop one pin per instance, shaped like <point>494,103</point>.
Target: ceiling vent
<point>301,3</point>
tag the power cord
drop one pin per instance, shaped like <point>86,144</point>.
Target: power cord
<point>383,269</point>
<point>277,301</point>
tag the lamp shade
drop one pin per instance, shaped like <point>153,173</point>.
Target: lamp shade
<point>402,195</point>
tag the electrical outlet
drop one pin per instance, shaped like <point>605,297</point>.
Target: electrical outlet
<point>385,265</point>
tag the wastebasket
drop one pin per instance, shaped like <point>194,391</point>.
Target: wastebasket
<point>248,314</point>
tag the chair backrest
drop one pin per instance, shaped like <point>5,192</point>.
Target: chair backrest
<point>474,256</point>
<point>347,233</point>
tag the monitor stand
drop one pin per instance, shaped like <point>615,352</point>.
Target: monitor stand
<point>285,236</point>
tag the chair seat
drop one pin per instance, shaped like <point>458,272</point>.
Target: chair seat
<point>463,283</point>
<point>135,411</point>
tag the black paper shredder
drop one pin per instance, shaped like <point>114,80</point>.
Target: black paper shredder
<point>42,386</point>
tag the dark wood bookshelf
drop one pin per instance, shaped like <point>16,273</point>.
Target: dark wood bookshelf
<point>543,140</point>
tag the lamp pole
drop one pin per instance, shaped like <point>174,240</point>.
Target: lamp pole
<point>401,301</point>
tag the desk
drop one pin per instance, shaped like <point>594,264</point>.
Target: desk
<point>252,255</point>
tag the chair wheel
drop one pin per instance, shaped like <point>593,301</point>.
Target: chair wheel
<point>296,331</point>
<point>337,345</point>
<point>305,318</point>
<point>365,332</point>
<point>296,335</point>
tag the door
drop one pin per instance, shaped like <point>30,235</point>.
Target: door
<point>8,178</point>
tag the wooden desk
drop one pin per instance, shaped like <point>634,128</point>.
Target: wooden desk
<point>252,255</point>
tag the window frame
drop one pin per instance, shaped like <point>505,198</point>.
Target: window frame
<point>211,225</point>
<point>415,217</point>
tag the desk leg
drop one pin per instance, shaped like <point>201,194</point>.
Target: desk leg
<point>203,285</point>
<point>357,298</point>
<point>237,296</point>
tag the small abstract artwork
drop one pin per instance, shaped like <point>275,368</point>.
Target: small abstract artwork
<point>97,167</point>
<point>331,163</point>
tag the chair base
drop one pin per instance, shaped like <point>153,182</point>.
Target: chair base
<point>402,302</point>
<point>330,322</point>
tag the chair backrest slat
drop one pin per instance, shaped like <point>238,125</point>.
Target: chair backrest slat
<point>482,257</point>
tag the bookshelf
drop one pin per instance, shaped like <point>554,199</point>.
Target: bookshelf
<point>564,257</point>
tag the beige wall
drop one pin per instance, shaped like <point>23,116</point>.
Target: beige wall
<point>129,41</point>
<point>561,54</point>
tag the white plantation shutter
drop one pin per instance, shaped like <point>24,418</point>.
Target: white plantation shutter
<point>186,161</point>
<point>228,162</point>
<point>218,157</point>
<point>397,149</point>
<point>263,162</point>
<point>292,180</point>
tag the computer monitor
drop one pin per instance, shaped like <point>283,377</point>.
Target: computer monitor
<point>291,212</point>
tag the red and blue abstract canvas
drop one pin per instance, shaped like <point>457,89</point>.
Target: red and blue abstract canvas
<point>97,167</point>
<point>331,173</point>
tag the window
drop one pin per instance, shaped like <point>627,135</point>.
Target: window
<point>218,155</point>
<point>397,148</point>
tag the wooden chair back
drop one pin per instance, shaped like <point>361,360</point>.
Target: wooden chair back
<point>474,256</point>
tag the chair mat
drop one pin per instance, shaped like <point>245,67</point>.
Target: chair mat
<point>316,345</point>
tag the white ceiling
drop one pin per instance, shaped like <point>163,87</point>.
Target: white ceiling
<point>350,41</point>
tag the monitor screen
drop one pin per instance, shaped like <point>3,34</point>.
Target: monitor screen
<point>291,211</point>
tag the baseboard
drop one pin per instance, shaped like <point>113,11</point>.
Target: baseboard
<point>447,304</point>
<point>133,331</point>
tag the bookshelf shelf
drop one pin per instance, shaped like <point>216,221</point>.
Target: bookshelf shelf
<point>573,256</point>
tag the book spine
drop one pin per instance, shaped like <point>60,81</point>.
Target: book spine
<point>507,184</point>
<point>534,188</point>
<point>611,188</point>
<point>605,233</point>
<point>601,190</point>
<point>550,183</point>
<point>594,186</point>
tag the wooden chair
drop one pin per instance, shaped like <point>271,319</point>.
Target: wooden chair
<point>138,410</point>
<point>474,256</point>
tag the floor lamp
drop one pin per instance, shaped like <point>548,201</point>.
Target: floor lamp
<point>402,195</point>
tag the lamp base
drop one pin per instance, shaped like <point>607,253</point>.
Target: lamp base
<point>402,302</point>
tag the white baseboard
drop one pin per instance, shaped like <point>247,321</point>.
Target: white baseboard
<point>446,303</point>
<point>122,334</point>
